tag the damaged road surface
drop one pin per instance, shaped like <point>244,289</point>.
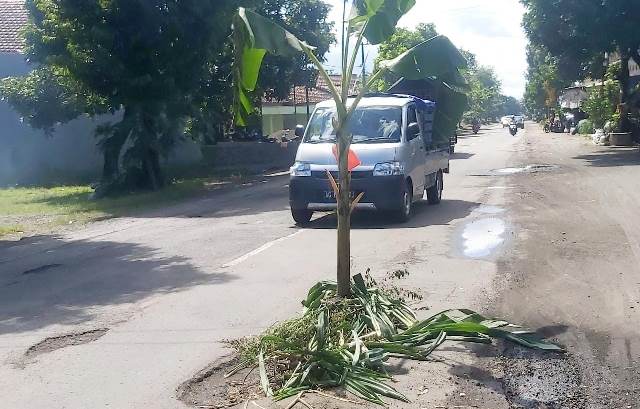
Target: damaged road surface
<point>62,341</point>
<point>556,248</point>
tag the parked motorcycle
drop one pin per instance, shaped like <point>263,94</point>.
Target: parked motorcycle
<point>555,126</point>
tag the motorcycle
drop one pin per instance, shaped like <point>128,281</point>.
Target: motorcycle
<point>513,128</point>
<point>476,127</point>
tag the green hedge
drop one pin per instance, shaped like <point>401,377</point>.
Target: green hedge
<point>585,127</point>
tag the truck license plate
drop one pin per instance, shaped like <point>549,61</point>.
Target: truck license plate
<point>330,194</point>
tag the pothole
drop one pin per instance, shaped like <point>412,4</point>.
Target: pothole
<point>535,379</point>
<point>53,343</point>
<point>41,269</point>
<point>211,389</point>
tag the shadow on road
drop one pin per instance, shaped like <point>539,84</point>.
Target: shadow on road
<point>66,282</point>
<point>461,155</point>
<point>613,157</point>
<point>423,215</point>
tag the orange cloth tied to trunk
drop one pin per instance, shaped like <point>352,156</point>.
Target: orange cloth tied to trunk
<point>352,162</point>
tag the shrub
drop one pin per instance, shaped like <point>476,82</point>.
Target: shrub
<point>585,127</point>
<point>601,103</point>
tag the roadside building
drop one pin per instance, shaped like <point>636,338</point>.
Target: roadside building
<point>279,116</point>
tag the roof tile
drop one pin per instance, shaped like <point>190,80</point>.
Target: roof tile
<point>13,18</point>
<point>317,94</point>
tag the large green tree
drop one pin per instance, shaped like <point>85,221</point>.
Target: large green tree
<point>544,82</point>
<point>161,66</point>
<point>400,41</point>
<point>141,59</point>
<point>579,33</point>
<point>484,93</point>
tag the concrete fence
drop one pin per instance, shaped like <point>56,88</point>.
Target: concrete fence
<point>251,156</point>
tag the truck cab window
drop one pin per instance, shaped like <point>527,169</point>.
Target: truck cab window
<point>411,115</point>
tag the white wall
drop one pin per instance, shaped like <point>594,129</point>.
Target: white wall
<point>28,156</point>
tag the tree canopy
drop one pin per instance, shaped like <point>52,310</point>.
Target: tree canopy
<point>544,82</point>
<point>578,33</point>
<point>162,67</point>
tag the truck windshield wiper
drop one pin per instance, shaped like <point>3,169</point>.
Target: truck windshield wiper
<point>376,139</point>
<point>322,141</point>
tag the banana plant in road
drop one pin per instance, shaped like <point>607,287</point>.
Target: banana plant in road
<point>436,59</point>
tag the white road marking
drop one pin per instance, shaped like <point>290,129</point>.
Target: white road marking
<point>259,250</point>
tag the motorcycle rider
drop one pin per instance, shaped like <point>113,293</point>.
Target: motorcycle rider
<point>475,125</point>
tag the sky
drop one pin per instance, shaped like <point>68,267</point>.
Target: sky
<point>491,29</point>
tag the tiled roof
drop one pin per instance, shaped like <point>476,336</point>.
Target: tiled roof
<point>316,94</point>
<point>13,17</point>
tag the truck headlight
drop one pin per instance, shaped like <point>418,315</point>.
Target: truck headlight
<point>388,169</point>
<point>300,169</point>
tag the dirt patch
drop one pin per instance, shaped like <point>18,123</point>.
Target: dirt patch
<point>210,389</point>
<point>53,343</point>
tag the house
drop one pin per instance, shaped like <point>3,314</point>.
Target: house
<point>572,97</point>
<point>70,155</point>
<point>283,115</point>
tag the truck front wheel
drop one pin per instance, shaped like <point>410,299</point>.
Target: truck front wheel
<point>403,213</point>
<point>301,216</point>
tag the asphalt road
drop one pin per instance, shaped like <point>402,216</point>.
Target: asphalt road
<point>555,249</point>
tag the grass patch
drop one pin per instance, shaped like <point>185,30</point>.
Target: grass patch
<point>35,210</point>
<point>10,230</point>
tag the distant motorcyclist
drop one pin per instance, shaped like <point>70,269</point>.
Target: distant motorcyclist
<point>475,125</point>
<point>513,127</point>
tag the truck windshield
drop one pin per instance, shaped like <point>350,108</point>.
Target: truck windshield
<point>370,124</point>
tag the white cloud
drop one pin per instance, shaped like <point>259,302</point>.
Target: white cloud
<point>489,28</point>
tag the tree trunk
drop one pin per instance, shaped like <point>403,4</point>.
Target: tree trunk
<point>625,125</point>
<point>150,156</point>
<point>152,168</point>
<point>112,147</point>
<point>344,217</point>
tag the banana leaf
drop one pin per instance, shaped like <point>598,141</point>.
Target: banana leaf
<point>380,17</point>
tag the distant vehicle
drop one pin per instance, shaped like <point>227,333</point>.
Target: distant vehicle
<point>398,160</point>
<point>506,120</point>
<point>519,121</point>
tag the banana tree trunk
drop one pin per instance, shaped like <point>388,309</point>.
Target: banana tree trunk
<point>344,217</point>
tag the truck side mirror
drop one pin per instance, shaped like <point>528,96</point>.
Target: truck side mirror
<point>299,132</point>
<point>413,130</point>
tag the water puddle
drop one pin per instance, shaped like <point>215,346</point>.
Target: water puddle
<point>535,168</point>
<point>482,236</point>
<point>489,209</point>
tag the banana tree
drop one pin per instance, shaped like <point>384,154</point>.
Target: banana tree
<point>436,59</point>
